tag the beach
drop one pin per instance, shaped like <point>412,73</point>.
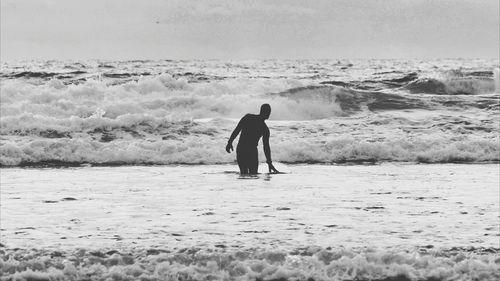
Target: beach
<point>116,170</point>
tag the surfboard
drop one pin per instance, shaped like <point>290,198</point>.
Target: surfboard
<point>265,176</point>
<point>236,172</point>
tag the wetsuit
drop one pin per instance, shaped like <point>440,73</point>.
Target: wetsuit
<point>252,129</point>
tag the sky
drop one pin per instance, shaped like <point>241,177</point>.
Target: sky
<point>244,29</point>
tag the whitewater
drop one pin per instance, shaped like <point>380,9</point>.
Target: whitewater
<point>117,170</point>
<point>182,112</point>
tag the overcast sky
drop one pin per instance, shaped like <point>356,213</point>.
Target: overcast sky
<point>241,29</point>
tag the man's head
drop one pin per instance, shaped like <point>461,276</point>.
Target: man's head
<point>265,111</point>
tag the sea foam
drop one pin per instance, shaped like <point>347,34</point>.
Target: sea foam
<point>83,113</point>
<point>203,148</point>
<point>311,263</point>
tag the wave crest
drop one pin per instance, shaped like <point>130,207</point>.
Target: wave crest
<point>202,146</point>
<point>161,96</point>
<point>455,86</point>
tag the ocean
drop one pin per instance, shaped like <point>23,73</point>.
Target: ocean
<point>117,170</point>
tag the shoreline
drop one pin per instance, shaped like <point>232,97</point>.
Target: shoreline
<point>62,165</point>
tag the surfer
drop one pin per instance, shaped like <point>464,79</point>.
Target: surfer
<point>252,127</point>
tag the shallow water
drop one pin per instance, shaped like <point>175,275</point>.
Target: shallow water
<point>373,205</point>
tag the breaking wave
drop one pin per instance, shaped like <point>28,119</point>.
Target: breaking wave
<point>129,114</point>
<point>457,86</point>
<point>202,145</point>
<point>165,96</point>
<point>312,263</point>
<point>160,96</point>
<point>449,83</point>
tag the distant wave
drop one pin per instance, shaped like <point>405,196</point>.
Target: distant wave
<point>106,73</point>
<point>42,74</point>
<point>351,101</point>
<point>165,95</point>
<point>124,75</point>
<point>129,114</point>
<point>158,96</point>
<point>457,83</point>
<point>456,86</point>
<point>206,263</point>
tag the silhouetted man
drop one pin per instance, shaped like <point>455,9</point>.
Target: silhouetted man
<point>252,127</point>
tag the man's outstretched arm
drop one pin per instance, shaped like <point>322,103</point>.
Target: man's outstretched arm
<point>235,133</point>
<point>267,152</point>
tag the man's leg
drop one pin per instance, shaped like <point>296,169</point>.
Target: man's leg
<point>243,169</point>
<point>241,159</point>
<point>253,161</point>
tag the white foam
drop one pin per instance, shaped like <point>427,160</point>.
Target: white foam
<point>204,149</point>
<point>200,264</point>
<point>129,122</point>
<point>470,86</point>
<point>160,96</point>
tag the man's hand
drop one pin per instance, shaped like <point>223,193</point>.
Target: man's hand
<point>272,169</point>
<point>229,147</point>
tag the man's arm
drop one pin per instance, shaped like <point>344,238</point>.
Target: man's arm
<point>235,133</point>
<point>267,151</point>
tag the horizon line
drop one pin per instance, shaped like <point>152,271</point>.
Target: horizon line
<point>240,59</point>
